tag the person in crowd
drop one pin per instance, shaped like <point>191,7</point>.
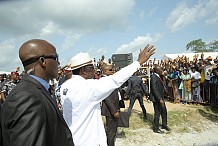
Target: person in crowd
<point>207,74</point>
<point>66,74</point>
<point>185,86</point>
<point>110,109</point>
<point>157,97</point>
<point>173,82</point>
<point>195,85</point>
<point>136,90</point>
<point>179,70</point>
<point>9,85</point>
<point>30,116</point>
<point>164,77</point>
<point>2,80</point>
<point>2,83</point>
<point>214,86</point>
<point>81,96</point>
<point>98,74</point>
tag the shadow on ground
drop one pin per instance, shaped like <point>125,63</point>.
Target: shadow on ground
<point>209,113</point>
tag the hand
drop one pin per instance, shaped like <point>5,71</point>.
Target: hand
<point>146,53</point>
<point>162,103</point>
<point>117,115</point>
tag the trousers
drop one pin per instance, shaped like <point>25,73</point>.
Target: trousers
<point>133,98</point>
<point>159,111</point>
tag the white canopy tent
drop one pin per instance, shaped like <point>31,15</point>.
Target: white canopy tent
<point>5,72</point>
<point>190,55</point>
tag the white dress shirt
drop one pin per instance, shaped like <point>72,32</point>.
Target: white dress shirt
<point>81,104</point>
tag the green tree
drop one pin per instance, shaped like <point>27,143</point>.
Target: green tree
<point>213,46</point>
<point>197,46</point>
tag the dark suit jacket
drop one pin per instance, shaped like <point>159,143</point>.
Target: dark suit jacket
<point>157,89</point>
<point>136,81</point>
<point>30,117</point>
<point>110,105</point>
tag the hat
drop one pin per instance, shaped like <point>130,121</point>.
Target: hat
<point>209,58</point>
<point>67,69</point>
<point>79,60</point>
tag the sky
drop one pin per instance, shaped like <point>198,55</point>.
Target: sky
<point>104,27</point>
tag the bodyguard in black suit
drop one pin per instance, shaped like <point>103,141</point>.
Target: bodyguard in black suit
<point>110,109</point>
<point>136,89</point>
<point>30,116</point>
<point>157,97</point>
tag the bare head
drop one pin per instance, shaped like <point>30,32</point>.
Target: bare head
<point>39,58</point>
<point>108,69</point>
<point>158,70</point>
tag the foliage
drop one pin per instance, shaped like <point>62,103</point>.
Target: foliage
<point>213,45</point>
<point>200,46</point>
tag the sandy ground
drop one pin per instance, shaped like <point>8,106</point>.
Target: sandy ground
<point>207,136</point>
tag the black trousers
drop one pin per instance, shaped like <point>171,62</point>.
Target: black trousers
<point>206,97</point>
<point>159,111</point>
<point>111,130</point>
<point>132,99</point>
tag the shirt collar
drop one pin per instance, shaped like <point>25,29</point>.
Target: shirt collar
<point>41,81</point>
<point>157,75</point>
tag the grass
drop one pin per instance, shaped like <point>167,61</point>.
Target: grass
<point>185,121</point>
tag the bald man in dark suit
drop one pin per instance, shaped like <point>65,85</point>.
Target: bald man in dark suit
<point>157,97</point>
<point>110,109</point>
<point>30,116</point>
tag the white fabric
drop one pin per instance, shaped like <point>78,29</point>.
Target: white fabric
<point>207,71</point>
<point>119,95</point>
<point>195,75</point>
<point>81,104</point>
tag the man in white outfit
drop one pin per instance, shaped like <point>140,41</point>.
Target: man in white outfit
<point>81,96</point>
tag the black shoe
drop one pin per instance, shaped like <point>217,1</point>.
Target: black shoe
<point>158,131</point>
<point>166,128</point>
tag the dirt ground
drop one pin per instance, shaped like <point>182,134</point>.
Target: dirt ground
<point>195,127</point>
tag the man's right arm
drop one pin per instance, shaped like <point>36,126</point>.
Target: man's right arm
<point>117,79</point>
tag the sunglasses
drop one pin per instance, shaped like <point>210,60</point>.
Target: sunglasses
<point>35,59</point>
<point>56,58</point>
<point>89,68</point>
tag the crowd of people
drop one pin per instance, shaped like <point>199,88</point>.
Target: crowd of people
<point>55,105</point>
<point>189,82</point>
<point>186,80</point>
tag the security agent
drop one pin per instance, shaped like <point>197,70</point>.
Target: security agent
<point>136,90</point>
<point>111,110</point>
<point>30,116</point>
<point>157,97</point>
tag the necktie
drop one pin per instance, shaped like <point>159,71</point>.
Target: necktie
<point>51,93</point>
<point>165,89</point>
<point>49,90</point>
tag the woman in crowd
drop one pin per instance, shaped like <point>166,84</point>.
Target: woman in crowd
<point>185,86</point>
